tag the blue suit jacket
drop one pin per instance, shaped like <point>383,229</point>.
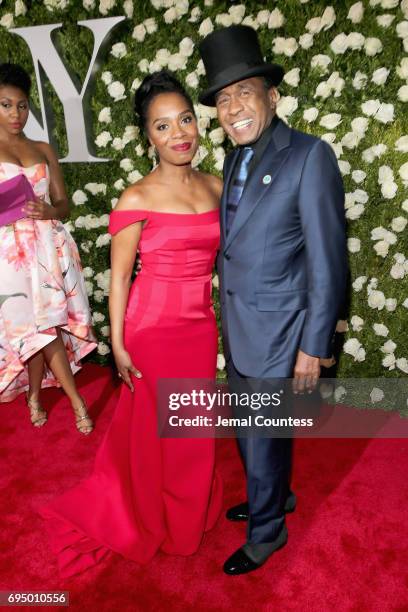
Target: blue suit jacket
<point>283,265</point>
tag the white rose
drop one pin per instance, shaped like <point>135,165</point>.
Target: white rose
<point>263,17</point>
<point>98,295</point>
<point>345,167</point>
<point>353,245</point>
<point>105,6</point>
<point>402,364</point>
<point>385,173</point>
<point>398,224</point>
<point>116,90</point>
<point>404,8</point>
<point>20,8</point>
<point>330,121</point>
<point>355,212</point>
<point>389,4</point>
<point>405,303</point>
<point>126,164</point>
<point>384,21</point>
<point>370,107</point>
<point>356,12</point>
<point>380,76</point>
<point>320,61</point>
<point>181,7</point>
<point>88,4</point>
<point>359,125</point>
<point>339,393</point>
<point>170,15</point>
<point>403,172</point>
<point>359,283</point>
<point>310,114</point>
<point>7,21</point>
<point>79,197</point>
<point>286,106</point>
<point>177,62</point>
<point>97,317</point>
<point>361,196</point>
<point>102,139</point>
<point>337,83</point>
<point>285,46</point>
<point>237,13</point>
<point>355,41</point>
<point>217,136</point>
<point>103,281</point>
<point>376,395</point>
<point>220,361</point>
<point>103,349</point>
<point>389,189</point>
<point>341,326</point>
<point>329,137</point>
<point>206,27</point>
<point>402,29</point>
<point>385,113</point>
<point>195,14</point>
<point>139,32</point>
<point>390,304</point>
<point>276,19</point>
<point>119,184</point>
<point>135,84</point>
<point>351,346</point>
<point>339,44</point>
<point>224,20</point>
<point>186,47</point>
<point>376,300</point>
<point>128,8</point>
<point>192,80</point>
<point>402,69</point>
<point>358,176</point>
<point>403,93</point>
<point>389,361</point>
<point>400,258</point>
<point>143,65</point>
<point>119,50</point>
<point>356,323</point>
<point>151,25</point>
<point>323,90</point>
<point>292,77</point>
<point>88,288</point>
<point>380,330</point>
<point>131,133</point>
<point>306,41</point>
<point>96,188</point>
<point>397,271</point>
<point>402,144</point>
<point>105,331</point>
<point>105,115</point>
<point>118,144</point>
<point>314,25</point>
<point>373,46</point>
<point>351,140</point>
<point>134,176</point>
<point>381,248</point>
<point>162,57</point>
<point>328,18</point>
<point>359,80</point>
<point>388,347</point>
<point>102,240</point>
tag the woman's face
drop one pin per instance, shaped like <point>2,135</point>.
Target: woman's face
<point>14,109</point>
<point>172,128</point>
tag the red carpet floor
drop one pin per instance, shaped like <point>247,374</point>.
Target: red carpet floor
<point>347,546</point>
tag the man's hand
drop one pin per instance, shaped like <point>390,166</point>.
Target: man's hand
<point>306,373</point>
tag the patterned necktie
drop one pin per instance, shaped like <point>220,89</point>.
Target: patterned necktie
<point>238,184</point>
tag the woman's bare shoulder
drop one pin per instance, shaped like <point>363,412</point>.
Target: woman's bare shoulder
<point>137,196</point>
<point>213,182</point>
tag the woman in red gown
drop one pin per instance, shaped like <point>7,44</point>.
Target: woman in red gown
<point>148,493</point>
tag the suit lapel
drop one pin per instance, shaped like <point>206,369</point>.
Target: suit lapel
<point>271,163</point>
<point>227,180</point>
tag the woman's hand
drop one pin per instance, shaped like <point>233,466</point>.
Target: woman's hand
<point>40,210</point>
<point>125,367</point>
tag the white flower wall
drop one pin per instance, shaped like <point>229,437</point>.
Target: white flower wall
<point>346,81</point>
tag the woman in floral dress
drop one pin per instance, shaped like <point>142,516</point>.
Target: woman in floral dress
<point>45,323</point>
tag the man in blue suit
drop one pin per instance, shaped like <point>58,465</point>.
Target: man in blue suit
<point>282,263</point>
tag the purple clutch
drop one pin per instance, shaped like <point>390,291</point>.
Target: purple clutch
<point>14,193</point>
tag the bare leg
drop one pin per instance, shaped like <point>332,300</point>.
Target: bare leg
<point>35,373</point>
<point>56,357</point>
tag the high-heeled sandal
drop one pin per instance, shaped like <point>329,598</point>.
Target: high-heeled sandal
<point>37,413</point>
<point>82,415</point>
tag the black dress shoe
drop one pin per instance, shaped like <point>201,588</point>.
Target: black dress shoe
<point>240,563</point>
<point>241,512</point>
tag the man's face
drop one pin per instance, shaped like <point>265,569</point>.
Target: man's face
<point>245,109</point>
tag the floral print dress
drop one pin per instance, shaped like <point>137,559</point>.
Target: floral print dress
<point>41,288</point>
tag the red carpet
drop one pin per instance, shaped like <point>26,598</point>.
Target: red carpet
<point>347,546</point>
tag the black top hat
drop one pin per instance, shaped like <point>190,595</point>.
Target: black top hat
<point>233,54</point>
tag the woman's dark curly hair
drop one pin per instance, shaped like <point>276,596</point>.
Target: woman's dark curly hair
<point>153,85</point>
<point>16,76</point>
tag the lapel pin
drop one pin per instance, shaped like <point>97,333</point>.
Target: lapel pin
<point>266,179</point>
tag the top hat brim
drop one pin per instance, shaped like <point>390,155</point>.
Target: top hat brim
<point>273,71</point>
